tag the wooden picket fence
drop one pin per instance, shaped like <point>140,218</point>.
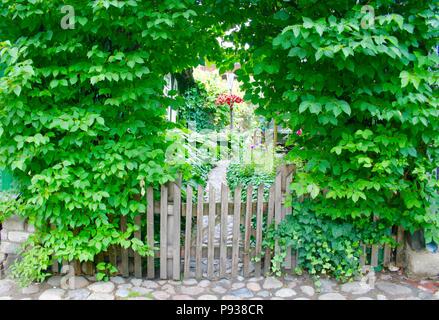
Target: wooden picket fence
<point>184,252</point>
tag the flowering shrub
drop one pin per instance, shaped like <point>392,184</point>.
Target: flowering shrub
<point>229,99</point>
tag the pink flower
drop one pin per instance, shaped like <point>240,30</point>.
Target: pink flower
<point>299,132</point>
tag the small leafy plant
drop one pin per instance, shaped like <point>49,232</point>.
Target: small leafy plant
<point>105,271</point>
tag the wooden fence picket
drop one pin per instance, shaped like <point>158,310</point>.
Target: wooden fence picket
<point>199,244</point>
<point>247,231</point>
<point>137,257</point>
<point>163,232</point>
<point>188,232</point>
<point>259,216</point>
<point>125,258</point>
<point>223,229</point>
<point>270,217</point>
<point>150,231</point>
<point>176,260</point>
<point>211,232</point>
<point>236,230</point>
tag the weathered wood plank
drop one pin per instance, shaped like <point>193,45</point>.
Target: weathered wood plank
<point>163,232</point>
<point>125,259</point>
<point>199,244</point>
<point>137,257</point>
<point>150,231</point>
<point>387,255</point>
<point>236,231</point>
<point>290,257</point>
<point>188,233</point>
<point>259,216</point>
<point>247,232</point>
<point>113,255</point>
<point>211,232</point>
<point>223,229</point>
<point>176,259</point>
<point>270,216</point>
<point>277,206</point>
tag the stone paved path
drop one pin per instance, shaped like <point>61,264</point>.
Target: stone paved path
<point>388,287</point>
<point>217,177</point>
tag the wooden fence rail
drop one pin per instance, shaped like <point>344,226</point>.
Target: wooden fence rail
<point>204,238</point>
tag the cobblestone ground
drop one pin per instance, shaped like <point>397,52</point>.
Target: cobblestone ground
<point>388,286</point>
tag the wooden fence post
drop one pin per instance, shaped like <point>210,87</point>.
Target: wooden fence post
<point>223,232</point>
<point>163,232</point>
<point>150,231</point>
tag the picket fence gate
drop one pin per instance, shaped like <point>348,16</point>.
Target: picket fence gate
<point>186,258</point>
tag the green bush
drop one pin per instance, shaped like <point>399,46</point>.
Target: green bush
<point>244,175</point>
<point>365,99</point>
<point>83,115</point>
<point>200,111</point>
<point>324,245</point>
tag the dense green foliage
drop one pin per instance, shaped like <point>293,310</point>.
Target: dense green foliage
<point>244,175</point>
<point>82,110</point>
<point>82,113</point>
<point>323,245</point>
<point>366,99</point>
<point>199,111</point>
<point>365,96</point>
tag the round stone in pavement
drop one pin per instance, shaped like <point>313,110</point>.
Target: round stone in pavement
<point>122,293</point>
<point>117,280</point>
<point>32,289</point>
<point>272,283</point>
<point>6,286</point>
<point>182,297</point>
<point>393,289</point>
<point>219,289</point>
<point>100,296</point>
<point>301,298</point>
<point>54,281</point>
<point>242,293</point>
<point>190,282</point>
<point>364,298</point>
<point>161,295</point>
<point>263,294</point>
<point>332,296</point>
<point>356,287</point>
<point>102,287</point>
<point>254,286</point>
<point>150,284</point>
<point>78,294</point>
<point>204,283</point>
<point>238,285</point>
<point>168,288</point>
<point>285,293</point>
<point>140,290</point>
<point>192,291</point>
<point>136,282</point>
<point>229,297</point>
<point>308,290</point>
<point>75,283</point>
<point>207,297</point>
<point>52,294</point>
<point>327,285</point>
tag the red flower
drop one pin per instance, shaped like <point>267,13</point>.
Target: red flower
<point>299,132</point>
<point>229,99</point>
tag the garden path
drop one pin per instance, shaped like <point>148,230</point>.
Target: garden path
<point>392,286</point>
<point>216,178</point>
